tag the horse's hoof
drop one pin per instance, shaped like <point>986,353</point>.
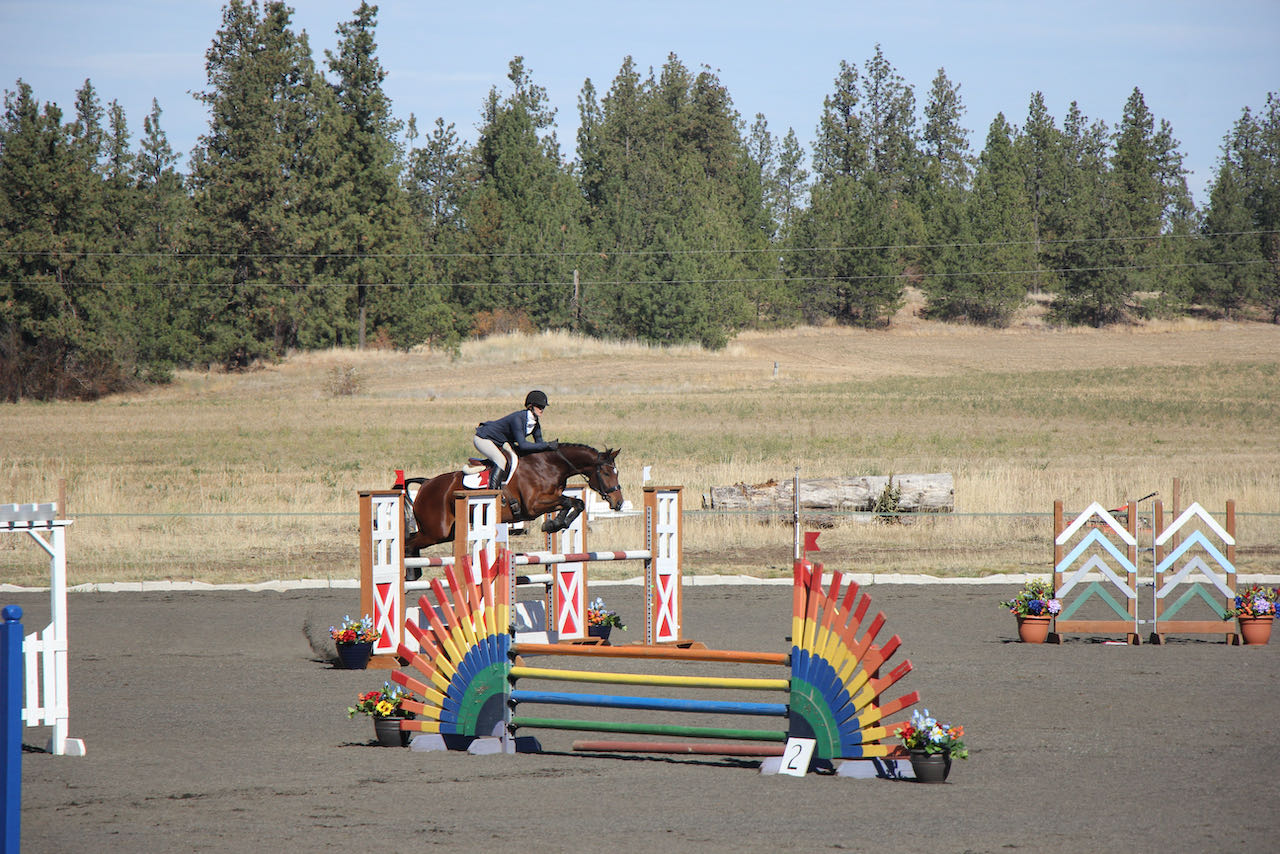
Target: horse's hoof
<point>550,527</point>
<point>413,573</point>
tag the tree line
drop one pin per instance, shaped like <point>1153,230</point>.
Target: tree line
<point>310,216</point>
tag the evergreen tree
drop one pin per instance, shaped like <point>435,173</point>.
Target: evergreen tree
<point>1091,252</point>
<point>945,175</point>
<point>1265,202</point>
<point>676,211</point>
<point>164,217</point>
<point>773,302</point>
<point>1137,212</point>
<point>523,216</point>
<point>1039,149</point>
<point>890,120</point>
<point>1241,234</point>
<point>793,182</point>
<point>868,170</point>
<point>373,232</point>
<point>259,177</point>
<point>65,332</point>
<point>1230,248</point>
<point>1000,260</point>
<point>842,146</point>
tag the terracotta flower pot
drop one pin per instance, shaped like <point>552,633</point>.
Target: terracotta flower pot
<point>1255,630</point>
<point>1033,629</point>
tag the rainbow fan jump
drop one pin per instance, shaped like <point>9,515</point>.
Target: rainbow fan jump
<point>468,677</point>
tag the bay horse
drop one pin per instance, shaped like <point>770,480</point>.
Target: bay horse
<point>537,488</point>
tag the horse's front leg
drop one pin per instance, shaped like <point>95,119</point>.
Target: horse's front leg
<point>570,510</point>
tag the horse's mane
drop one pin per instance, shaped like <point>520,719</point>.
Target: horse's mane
<point>582,445</point>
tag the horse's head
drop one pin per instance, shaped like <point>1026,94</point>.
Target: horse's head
<point>603,478</point>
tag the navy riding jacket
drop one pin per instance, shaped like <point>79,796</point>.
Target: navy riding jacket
<point>511,428</point>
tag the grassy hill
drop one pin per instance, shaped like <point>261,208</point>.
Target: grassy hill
<point>253,476</point>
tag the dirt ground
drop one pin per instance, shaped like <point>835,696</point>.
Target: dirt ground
<point>212,724</point>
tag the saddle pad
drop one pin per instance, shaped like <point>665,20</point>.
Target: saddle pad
<point>476,480</point>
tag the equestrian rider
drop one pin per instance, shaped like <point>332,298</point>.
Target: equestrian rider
<point>516,430</point>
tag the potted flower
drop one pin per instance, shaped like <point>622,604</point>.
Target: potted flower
<point>932,746</point>
<point>1254,608</point>
<point>1034,606</point>
<point>601,621</point>
<point>386,707</point>
<point>354,640</point>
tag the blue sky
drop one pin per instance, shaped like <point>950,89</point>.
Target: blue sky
<point>1198,63</point>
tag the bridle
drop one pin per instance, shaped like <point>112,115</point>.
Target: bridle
<point>600,463</point>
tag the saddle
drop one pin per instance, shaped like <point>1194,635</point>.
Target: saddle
<point>480,473</point>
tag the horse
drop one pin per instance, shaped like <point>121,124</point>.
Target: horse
<point>536,488</point>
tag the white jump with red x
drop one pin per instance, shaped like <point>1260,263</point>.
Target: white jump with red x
<point>383,563</point>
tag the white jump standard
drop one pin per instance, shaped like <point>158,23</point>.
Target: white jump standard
<point>383,564</point>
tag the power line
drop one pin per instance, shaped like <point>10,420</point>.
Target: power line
<point>910,276</point>
<point>599,253</point>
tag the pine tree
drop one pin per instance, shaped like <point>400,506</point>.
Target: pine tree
<point>1265,202</point>
<point>1231,281</point>
<point>676,211</point>
<point>945,176</point>
<point>1039,149</point>
<point>260,177</point>
<point>1138,193</point>
<point>1000,262</point>
<point>1241,234</point>
<point>863,228</point>
<point>793,182</point>
<point>1091,252</point>
<point>842,145</point>
<point>524,213</point>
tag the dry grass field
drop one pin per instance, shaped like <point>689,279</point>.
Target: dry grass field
<point>251,477</point>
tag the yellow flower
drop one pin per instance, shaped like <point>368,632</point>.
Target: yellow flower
<point>384,708</point>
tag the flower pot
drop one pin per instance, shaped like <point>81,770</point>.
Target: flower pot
<point>1255,630</point>
<point>930,767</point>
<point>355,656</point>
<point>1033,629</point>
<point>601,632</point>
<point>389,733</point>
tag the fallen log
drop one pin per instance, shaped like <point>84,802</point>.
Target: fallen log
<point>918,493</point>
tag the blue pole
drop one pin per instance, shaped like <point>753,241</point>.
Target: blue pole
<point>11,715</point>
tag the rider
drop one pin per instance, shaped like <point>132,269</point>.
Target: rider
<point>515,429</point>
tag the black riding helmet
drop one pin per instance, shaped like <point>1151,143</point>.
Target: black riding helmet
<point>535,398</point>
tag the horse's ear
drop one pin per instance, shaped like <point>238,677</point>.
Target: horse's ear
<point>611,453</point>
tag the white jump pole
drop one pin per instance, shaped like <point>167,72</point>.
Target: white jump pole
<point>47,701</point>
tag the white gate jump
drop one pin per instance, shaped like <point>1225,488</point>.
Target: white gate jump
<point>1185,559</point>
<point>382,564</point>
<point>46,700</point>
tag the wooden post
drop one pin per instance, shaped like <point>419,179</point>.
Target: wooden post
<point>1055,637</point>
<point>1132,527</point>
<point>1231,557</point>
